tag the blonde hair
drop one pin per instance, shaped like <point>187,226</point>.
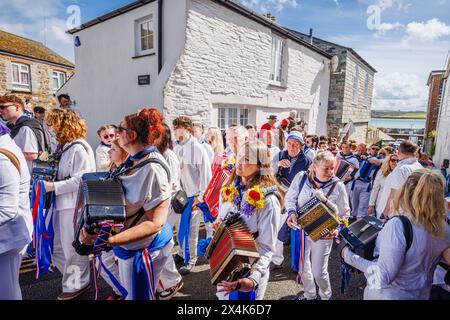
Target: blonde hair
<point>215,139</point>
<point>386,166</point>
<point>422,196</point>
<point>106,127</point>
<point>123,154</point>
<point>321,157</point>
<point>67,124</point>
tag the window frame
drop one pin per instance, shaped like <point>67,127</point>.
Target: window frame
<point>57,76</point>
<point>19,85</point>
<point>224,116</point>
<point>139,35</point>
<point>355,95</point>
<point>366,90</point>
<point>278,60</point>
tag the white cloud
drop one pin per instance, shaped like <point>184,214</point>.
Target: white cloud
<point>387,4</point>
<point>265,6</point>
<point>383,28</point>
<point>427,31</point>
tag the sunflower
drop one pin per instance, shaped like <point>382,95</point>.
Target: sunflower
<point>255,197</point>
<point>228,193</point>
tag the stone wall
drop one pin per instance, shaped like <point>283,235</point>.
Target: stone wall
<point>41,93</point>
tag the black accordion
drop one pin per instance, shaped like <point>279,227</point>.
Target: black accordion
<point>99,200</point>
<point>283,182</point>
<point>361,236</point>
<point>46,171</point>
<point>232,251</point>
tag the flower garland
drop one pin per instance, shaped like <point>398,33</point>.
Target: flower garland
<point>229,163</point>
<point>254,199</point>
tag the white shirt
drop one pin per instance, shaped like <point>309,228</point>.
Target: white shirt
<point>375,194</point>
<point>27,142</point>
<point>394,275</point>
<point>175,171</point>
<point>397,178</point>
<point>209,150</point>
<point>310,153</point>
<point>16,223</point>
<point>102,159</point>
<point>145,188</point>
<point>73,164</point>
<point>195,167</point>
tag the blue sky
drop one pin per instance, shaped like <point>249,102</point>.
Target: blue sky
<point>409,39</point>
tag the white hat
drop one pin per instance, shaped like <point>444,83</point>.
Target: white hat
<point>297,136</point>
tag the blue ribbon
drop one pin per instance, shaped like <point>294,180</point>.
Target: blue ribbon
<point>206,212</point>
<point>202,245</point>
<point>185,228</point>
<point>238,295</point>
<point>345,276</point>
<point>141,280</point>
<point>123,291</point>
<point>138,156</point>
<point>295,249</point>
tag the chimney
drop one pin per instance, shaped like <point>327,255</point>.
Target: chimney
<point>268,15</point>
<point>311,35</point>
<point>273,18</point>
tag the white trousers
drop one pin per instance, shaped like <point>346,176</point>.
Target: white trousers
<point>9,274</point>
<point>360,200</point>
<point>159,259</point>
<point>108,259</point>
<point>193,237</point>
<point>316,268</point>
<point>278,256</point>
<point>74,268</point>
<point>169,275</point>
<point>260,292</point>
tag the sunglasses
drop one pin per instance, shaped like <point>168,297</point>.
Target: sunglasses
<point>122,129</point>
<point>376,149</point>
<point>106,136</point>
<point>394,160</point>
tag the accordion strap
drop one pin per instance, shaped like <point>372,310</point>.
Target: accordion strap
<point>12,157</point>
<point>137,216</point>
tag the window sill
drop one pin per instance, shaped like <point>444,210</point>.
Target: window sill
<point>21,90</point>
<point>144,55</point>
<point>277,84</point>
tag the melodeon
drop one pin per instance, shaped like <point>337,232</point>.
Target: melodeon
<point>367,171</point>
<point>232,251</point>
<point>317,219</point>
<point>99,200</point>
<point>213,191</point>
<point>283,182</point>
<point>361,236</point>
<point>344,169</point>
<point>46,171</point>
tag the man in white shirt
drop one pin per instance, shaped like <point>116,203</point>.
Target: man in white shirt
<point>407,164</point>
<point>24,130</point>
<point>199,134</point>
<point>195,177</point>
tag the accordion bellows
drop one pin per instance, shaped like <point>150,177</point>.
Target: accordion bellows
<point>213,191</point>
<point>317,219</point>
<point>232,252</point>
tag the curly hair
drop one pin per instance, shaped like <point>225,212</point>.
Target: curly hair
<point>11,98</point>
<point>67,125</point>
<point>148,123</point>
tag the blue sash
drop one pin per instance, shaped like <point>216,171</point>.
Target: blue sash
<point>238,295</point>
<point>185,228</point>
<point>206,213</point>
<point>144,287</point>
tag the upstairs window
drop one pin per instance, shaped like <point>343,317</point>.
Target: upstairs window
<point>366,90</point>
<point>230,116</point>
<point>21,78</point>
<point>145,42</point>
<point>356,86</point>
<point>59,78</point>
<point>278,51</point>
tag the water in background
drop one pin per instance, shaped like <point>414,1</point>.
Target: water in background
<point>414,124</point>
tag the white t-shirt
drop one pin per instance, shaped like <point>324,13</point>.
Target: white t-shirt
<point>397,178</point>
<point>27,142</point>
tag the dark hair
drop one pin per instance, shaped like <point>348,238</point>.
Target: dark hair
<point>408,147</point>
<point>249,126</point>
<point>323,138</point>
<point>184,122</point>
<point>63,95</point>
<point>106,127</point>
<point>314,139</point>
<point>165,141</point>
<point>147,123</point>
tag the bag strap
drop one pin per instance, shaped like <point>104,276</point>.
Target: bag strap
<point>138,216</point>
<point>407,230</point>
<point>12,157</point>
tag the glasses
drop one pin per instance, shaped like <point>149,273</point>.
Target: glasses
<point>106,136</point>
<point>6,106</point>
<point>376,149</point>
<point>121,129</point>
<point>394,160</point>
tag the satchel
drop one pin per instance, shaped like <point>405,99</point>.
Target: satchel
<point>179,201</point>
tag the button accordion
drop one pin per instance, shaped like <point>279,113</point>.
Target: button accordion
<point>361,236</point>
<point>367,171</point>
<point>317,218</point>
<point>344,169</point>
<point>47,171</point>
<point>232,251</point>
<point>99,200</point>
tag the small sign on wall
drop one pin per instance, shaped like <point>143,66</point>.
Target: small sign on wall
<point>144,79</point>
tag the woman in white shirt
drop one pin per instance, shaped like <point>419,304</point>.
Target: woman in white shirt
<point>398,273</point>
<point>305,185</point>
<point>77,158</point>
<point>107,134</point>
<point>253,182</point>
<point>388,166</point>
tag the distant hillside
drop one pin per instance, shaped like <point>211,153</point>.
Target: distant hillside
<point>399,114</point>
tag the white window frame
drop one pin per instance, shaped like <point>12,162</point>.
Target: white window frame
<point>356,86</point>
<point>228,115</point>
<point>277,68</point>
<point>366,90</point>
<point>21,69</point>
<point>151,23</point>
<point>56,75</point>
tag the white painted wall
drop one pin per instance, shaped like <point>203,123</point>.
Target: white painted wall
<point>227,60</point>
<point>443,128</point>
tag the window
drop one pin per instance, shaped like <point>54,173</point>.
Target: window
<point>21,79</point>
<point>278,48</point>
<point>145,36</point>
<point>356,85</point>
<point>59,78</point>
<point>229,116</point>
<point>366,91</point>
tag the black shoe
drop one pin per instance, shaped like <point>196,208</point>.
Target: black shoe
<point>179,261</point>
<point>275,267</point>
<point>301,297</point>
<point>185,270</point>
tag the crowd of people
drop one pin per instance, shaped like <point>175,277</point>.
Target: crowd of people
<point>274,171</point>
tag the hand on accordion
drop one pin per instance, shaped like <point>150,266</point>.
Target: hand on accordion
<point>87,238</point>
<point>215,225</point>
<point>243,285</point>
<point>331,235</point>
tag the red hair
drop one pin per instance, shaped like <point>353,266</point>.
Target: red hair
<point>148,123</point>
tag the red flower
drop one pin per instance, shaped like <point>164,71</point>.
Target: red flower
<point>227,192</point>
<point>254,195</point>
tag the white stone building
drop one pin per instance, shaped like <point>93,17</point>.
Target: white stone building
<point>442,150</point>
<point>214,60</point>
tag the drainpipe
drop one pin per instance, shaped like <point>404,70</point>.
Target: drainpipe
<point>160,35</point>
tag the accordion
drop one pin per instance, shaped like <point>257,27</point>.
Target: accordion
<point>232,251</point>
<point>367,171</point>
<point>99,200</point>
<point>317,219</point>
<point>343,169</point>
<point>46,171</point>
<point>361,236</point>
<point>213,191</point>
<point>283,182</point>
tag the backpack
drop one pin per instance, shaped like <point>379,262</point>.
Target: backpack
<point>42,137</point>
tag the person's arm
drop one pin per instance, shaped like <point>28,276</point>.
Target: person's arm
<point>389,203</point>
<point>204,168</point>
<point>375,191</point>
<point>291,197</point>
<point>29,144</point>
<point>342,202</point>
<point>9,191</point>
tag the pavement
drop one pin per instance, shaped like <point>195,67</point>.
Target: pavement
<point>197,285</point>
